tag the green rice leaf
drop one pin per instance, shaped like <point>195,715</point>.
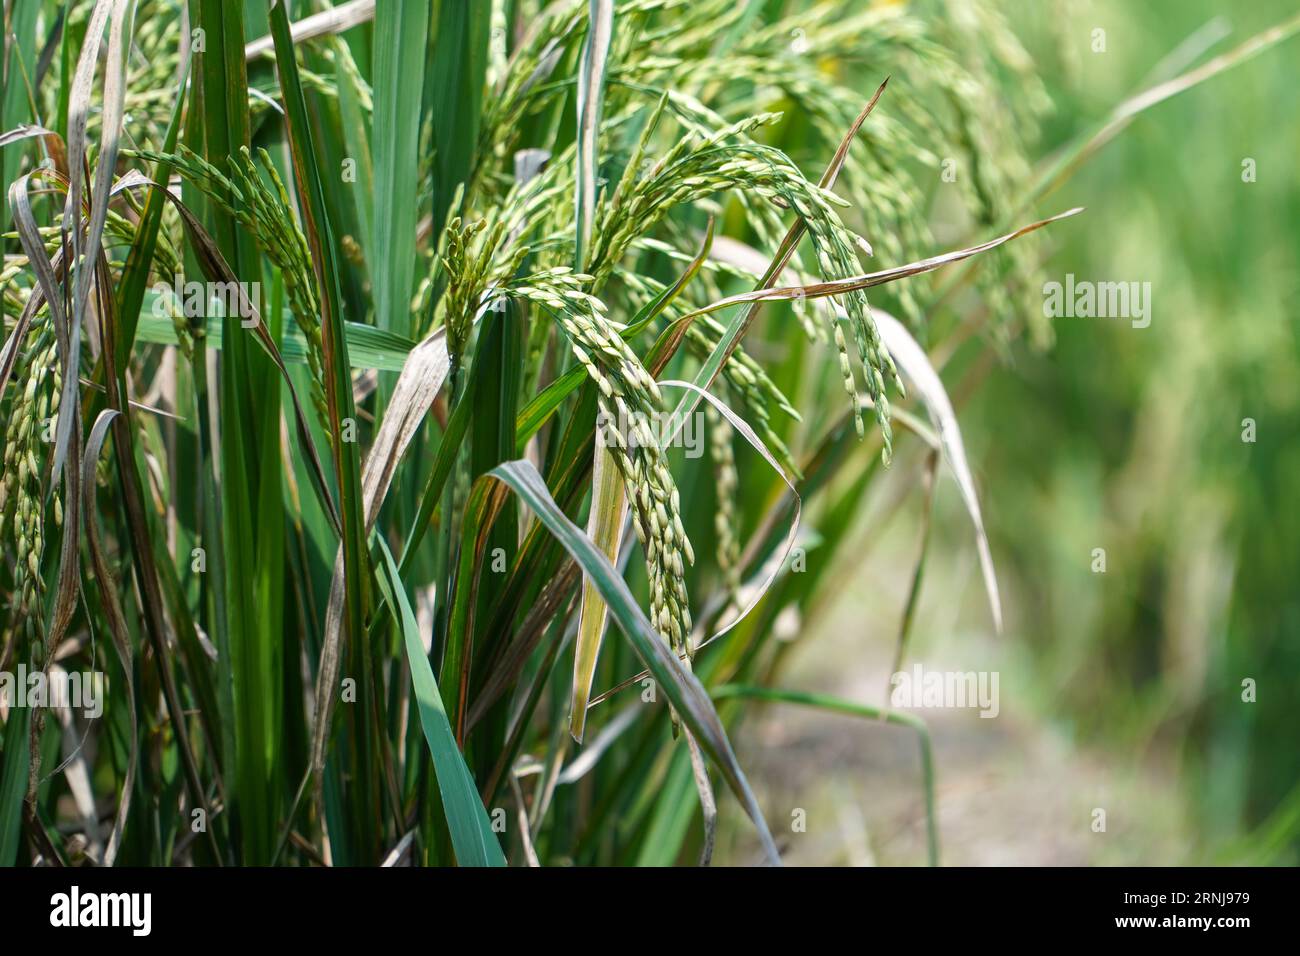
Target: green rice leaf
<point>467,819</point>
<point>401,30</point>
<point>683,688</point>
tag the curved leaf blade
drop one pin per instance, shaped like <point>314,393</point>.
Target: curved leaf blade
<point>915,365</point>
<point>467,819</point>
<point>684,690</point>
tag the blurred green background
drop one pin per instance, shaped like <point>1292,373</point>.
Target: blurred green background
<point>1120,690</point>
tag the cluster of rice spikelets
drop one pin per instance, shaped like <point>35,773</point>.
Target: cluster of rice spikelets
<point>746,381</point>
<point>726,521</point>
<point>702,164</point>
<point>628,400</point>
<point>953,121</point>
<point>32,412</point>
<point>267,217</point>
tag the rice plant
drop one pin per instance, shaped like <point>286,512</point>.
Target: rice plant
<point>418,417</point>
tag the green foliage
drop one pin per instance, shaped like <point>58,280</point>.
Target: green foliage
<point>474,240</point>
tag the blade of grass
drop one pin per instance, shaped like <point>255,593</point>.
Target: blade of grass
<point>915,364</point>
<point>683,689</point>
<point>368,347</point>
<point>400,35</point>
<point>422,378</point>
<point>591,97</point>
<point>821,290</point>
<point>142,554</point>
<point>471,830</point>
<point>928,476</point>
<point>605,529</point>
<point>19,52</point>
<point>338,393</point>
<point>753,593</point>
<point>456,93</point>
<point>608,500</point>
<point>119,15</point>
<point>135,274</point>
<point>13,784</point>
<point>1080,150</point>
<point>500,356</point>
<point>251,502</point>
<point>116,623</point>
<point>333,20</point>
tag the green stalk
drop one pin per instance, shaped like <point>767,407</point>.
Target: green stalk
<point>338,394</point>
<point>460,33</point>
<point>401,30</point>
<point>251,505</point>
